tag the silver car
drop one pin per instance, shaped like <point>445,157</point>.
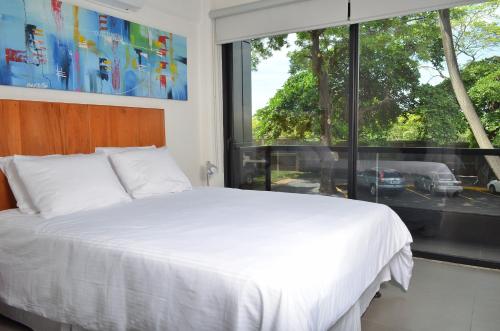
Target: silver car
<point>439,182</point>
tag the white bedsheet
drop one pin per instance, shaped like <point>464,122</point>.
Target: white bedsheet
<point>207,259</point>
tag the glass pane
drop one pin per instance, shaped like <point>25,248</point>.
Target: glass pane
<point>418,153</point>
<point>298,85</point>
<point>299,170</point>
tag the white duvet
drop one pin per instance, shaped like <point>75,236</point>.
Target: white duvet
<point>207,259</point>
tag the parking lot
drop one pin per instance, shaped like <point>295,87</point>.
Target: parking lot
<point>473,200</point>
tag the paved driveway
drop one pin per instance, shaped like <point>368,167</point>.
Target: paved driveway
<point>469,201</point>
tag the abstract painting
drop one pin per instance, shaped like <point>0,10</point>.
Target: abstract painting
<point>49,44</point>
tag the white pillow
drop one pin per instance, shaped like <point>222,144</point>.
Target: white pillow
<point>150,172</point>
<point>70,183</point>
<point>24,202</point>
<point>113,150</point>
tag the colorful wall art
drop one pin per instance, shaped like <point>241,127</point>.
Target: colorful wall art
<point>54,45</point>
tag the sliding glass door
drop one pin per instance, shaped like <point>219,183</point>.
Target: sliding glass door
<point>369,112</point>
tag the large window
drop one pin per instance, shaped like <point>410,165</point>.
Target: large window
<point>418,152</point>
<point>427,145</point>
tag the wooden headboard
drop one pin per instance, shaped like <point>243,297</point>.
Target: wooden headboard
<point>42,128</point>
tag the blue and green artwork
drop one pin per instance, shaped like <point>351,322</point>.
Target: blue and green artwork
<point>49,44</point>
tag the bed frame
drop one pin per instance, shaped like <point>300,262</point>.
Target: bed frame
<point>42,128</point>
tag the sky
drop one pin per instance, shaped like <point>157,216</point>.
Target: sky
<point>270,76</point>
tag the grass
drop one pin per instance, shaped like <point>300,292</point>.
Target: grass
<point>276,175</point>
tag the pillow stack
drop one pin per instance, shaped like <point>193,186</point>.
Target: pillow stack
<point>57,185</point>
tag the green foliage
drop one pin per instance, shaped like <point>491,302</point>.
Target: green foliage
<point>294,111</point>
<point>407,128</point>
<point>394,104</point>
<point>482,79</point>
<point>291,112</point>
<point>436,117</point>
<point>388,76</point>
<point>442,121</point>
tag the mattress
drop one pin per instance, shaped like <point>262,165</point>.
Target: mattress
<point>206,259</point>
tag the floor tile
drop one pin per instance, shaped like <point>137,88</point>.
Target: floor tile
<point>442,297</point>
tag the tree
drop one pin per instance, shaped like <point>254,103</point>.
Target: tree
<point>407,128</point>
<point>482,80</point>
<point>312,104</point>
<point>436,117</point>
<point>389,77</point>
<point>441,121</point>
<point>461,93</point>
<point>319,53</point>
<point>292,112</point>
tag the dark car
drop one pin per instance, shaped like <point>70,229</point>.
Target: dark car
<point>385,180</point>
<point>439,182</point>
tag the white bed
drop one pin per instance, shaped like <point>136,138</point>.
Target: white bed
<point>206,259</point>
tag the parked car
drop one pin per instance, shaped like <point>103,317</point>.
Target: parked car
<point>386,180</point>
<point>439,182</point>
<point>494,186</point>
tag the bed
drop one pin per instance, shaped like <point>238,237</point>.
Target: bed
<point>202,259</point>
<point>206,259</point>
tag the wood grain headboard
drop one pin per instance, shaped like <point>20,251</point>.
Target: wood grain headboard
<point>42,128</point>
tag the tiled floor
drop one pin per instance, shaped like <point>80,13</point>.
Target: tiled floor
<point>442,297</point>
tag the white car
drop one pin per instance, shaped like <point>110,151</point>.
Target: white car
<point>494,186</point>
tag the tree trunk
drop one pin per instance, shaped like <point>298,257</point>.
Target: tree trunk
<point>327,182</point>
<point>461,93</point>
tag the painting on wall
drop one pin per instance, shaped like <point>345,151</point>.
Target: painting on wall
<point>49,44</point>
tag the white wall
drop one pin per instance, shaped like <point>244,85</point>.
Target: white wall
<point>210,69</point>
<point>182,117</point>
